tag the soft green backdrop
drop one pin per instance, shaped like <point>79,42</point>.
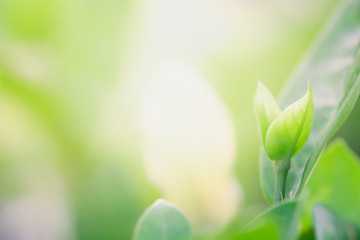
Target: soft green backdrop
<point>59,61</point>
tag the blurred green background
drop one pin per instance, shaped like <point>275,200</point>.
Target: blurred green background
<point>73,74</point>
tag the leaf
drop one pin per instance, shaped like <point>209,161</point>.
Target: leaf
<point>335,182</point>
<point>332,67</point>
<point>278,223</point>
<point>266,109</point>
<point>288,133</point>
<point>162,221</point>
<point>328,226</point>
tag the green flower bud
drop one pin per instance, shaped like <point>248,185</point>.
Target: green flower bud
<point>288,133</point>
<point>266,109</point>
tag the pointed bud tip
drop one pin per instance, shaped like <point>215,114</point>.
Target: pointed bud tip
<point>260,85</point>
<point>309,85</point>
<point>261,89</point>
<point>309,90</point>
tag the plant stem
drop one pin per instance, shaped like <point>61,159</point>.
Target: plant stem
<point>282,168</point>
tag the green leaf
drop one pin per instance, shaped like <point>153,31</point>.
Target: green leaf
<point>335,182</point>
<point>278,223</point>
<point>162,221</point>
<point>288,133</point>
<point>328,226</point>
<point>332,66</point>
<point>266,109</point>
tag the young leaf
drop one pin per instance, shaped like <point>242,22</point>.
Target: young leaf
<point>162,221</point>
<point>328,226</point>
<point>278,223</point>
<point>266,109</point>
<point>332,67</point>
<point>288,133</point>
<point>335,182</point>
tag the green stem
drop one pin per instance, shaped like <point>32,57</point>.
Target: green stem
<point>282,168</point>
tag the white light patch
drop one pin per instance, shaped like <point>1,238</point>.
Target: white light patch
<point>189,145</point>
<point>191,26</point>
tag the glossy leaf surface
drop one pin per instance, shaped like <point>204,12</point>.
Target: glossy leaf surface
<point>278,223</point>
<point>162,221</point>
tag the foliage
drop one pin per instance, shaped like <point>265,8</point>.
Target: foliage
<point>295,138</point>
<point>328,226</point>
<point>335,183</point>
<point>279,222</point>
<point>73,75</point>
<point>286,132</point>
<point>162,221</point>
<point>335,92</point>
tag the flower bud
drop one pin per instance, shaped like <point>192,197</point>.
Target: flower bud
<point>266,109</point>
<point>288,133</point>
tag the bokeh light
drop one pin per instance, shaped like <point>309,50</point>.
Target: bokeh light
<point>106,106</point>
